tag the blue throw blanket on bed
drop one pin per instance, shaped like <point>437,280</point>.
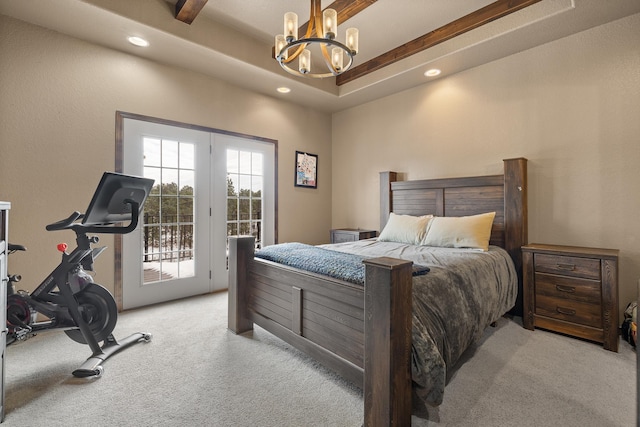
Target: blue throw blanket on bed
<point>339,265</point>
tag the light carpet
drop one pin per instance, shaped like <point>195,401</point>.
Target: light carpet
<point>195,372</point>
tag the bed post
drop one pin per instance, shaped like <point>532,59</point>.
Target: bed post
<point>240,253</point>
<point>387,342</point>
<point>386,203</point>
<point>515,217</point>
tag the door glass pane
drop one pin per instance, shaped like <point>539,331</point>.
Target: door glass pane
<point>232,208</point>
<point>151,151</point>
<point>153,173</point>
<point>245,213</point>
<point>256,209</point>
<point>232,184</point>
<point>256,164</point>
<point>187,156</point>
<point>169,154</point>
<point>256,186</point>
<point>245,162</point>
<point>169,182</point>
<point>232,161</point>
<point>185,210</point>
<point>245,185</point>
<point>169,220</point>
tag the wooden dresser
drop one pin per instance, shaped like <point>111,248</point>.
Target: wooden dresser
<point>4,231</point>
<point>340,235</point>
<point>572,290</point>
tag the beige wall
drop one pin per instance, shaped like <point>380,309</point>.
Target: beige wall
<point>58,98</point>
<point>572,107</point>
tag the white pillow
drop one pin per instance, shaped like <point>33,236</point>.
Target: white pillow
<point>460,232</point>
<point>405,229</point>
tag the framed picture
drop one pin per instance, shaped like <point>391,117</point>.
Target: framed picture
<point>306,170</point>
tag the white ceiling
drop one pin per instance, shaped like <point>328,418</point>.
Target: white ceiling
<point>232,39</point>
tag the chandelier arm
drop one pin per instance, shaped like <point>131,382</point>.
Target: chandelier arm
<point>316,14</point>
<point>313,40</point>
<point>327,59</point>
<point>297,53</point>
<point>315,6</point>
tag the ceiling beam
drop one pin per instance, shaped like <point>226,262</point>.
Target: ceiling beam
<point>187,10</point>
<point>345,9</point>
<point>482,16</point>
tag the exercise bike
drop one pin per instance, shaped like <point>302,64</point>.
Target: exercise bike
<point>68,299</point>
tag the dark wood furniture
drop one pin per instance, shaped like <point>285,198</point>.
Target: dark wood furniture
<point>572,290</point>
<point>364,333</point>
<point>340,235</point>
<point>4,232</point>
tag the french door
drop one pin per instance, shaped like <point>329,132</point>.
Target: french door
<point>244,196</point>
<point>207,186</point>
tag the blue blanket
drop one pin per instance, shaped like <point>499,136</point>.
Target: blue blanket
<point>339,265</point>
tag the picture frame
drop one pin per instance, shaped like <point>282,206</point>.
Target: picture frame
<point>306,169</point>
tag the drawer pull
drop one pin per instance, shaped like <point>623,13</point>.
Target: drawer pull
<point>566,311</point>
<point>568,289</point>
<point>568,267</point>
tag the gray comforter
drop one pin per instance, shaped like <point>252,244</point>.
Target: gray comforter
<point>465,291</point>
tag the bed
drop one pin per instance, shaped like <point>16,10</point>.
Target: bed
<point>366,333</point>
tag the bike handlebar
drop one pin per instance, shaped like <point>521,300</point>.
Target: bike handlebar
<point>65,223</point>
<point>69,223</point>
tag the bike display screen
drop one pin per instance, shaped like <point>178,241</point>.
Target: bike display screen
<point>108,204</point>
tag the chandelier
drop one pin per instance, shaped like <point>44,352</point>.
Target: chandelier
<point>288,47</point>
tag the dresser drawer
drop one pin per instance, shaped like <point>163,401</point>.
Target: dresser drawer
<point>588,268</point>
<point>569,310</point>
<point>583,290</point>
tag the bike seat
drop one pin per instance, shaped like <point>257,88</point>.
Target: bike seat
<point>13,247</point>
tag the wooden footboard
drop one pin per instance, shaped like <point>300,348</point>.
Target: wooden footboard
<point>364,334</point>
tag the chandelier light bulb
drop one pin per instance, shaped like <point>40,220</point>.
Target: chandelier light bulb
<point>352,39</point>
<point>305,61</point>
<point>280,43</point>
<point>330,21</point>
<point>290,26</point>
<point>337,59</point>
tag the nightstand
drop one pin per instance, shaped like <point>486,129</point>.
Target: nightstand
<point>572,290</point>
<point>340,235</point>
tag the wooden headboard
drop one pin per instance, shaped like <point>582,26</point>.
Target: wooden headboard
<point>505,194</point>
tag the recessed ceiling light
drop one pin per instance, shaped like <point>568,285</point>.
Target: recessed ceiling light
<point>432,72</point>
<point>283,89</point>
<point>138,41</point>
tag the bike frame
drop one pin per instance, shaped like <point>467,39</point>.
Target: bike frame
<point>58,278</point>
<point>46,301</point>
